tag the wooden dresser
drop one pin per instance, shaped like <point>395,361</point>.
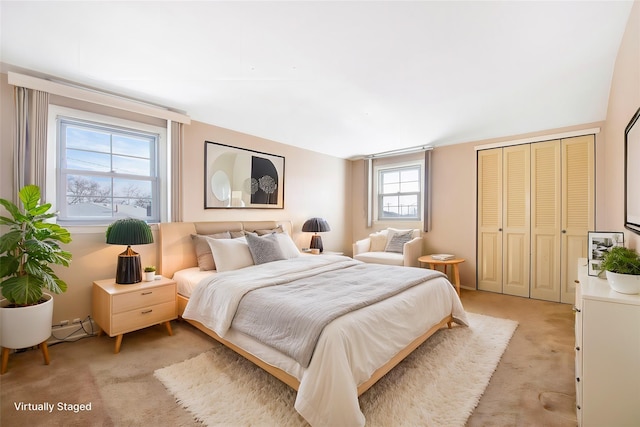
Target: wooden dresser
<point>607,354</point>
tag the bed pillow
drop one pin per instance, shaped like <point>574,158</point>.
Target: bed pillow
<point>203,251</point>
<point>278,229</point>
<point>415,232</point>
<point>265,248</point>
<point>288,248</point>
<point>378,242</point>
<point>230,254</point>
<point>397,241</point>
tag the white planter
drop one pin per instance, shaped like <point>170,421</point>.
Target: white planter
<point>624,283</point>
<point>22,327</point>
<point>149,276</point>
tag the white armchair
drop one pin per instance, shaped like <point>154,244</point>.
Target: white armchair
<point>383,247</point>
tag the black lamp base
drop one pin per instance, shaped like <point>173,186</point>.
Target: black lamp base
<point>129,270</point>
<point>316,242</point>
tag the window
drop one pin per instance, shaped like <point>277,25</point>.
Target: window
<point>399,193</point>
<point>106,172</point>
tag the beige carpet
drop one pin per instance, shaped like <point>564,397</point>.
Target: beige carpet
<point>438,385</point>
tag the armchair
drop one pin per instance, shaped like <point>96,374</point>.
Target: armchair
<point>377,249</point>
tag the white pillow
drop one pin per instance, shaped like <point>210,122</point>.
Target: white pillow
<point>288,248</point>
<point>230,254</point>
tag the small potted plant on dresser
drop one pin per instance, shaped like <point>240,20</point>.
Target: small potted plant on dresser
<point>149,273</point>
<point>27,250</point>
<point>622,266</point>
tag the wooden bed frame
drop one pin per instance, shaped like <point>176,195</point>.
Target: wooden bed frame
<point>176,253</point>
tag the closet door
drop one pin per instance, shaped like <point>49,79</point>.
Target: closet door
<point>489,265</point>
<point>545,220</point>
<point>578,203</point>
<point>516,220</point>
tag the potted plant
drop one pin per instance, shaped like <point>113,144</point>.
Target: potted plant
<point>149,273</point>
<point>27,251</point>
<point>622,266</point>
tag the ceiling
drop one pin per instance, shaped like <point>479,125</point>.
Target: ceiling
<point>341,78</point>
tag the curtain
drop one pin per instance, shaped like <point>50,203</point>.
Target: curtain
<point>426,219</point>
<point>30,153</point>
<point>176,171</point>
<point>21,165</point>
<point>38,125</point>
<point>368,171</point>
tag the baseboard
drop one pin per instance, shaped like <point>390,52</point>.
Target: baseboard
<point>72,332</point>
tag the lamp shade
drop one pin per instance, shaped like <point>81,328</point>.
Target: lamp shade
<point>315,225</point>
<point>129,232</point>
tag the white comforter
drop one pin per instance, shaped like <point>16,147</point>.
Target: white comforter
<point>349,350</point>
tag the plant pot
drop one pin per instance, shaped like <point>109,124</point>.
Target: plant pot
<point>149,276</point>
<point>624,283</point>
<point>22,327</point>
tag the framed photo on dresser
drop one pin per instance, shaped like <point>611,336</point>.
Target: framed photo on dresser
<point>601,242</point>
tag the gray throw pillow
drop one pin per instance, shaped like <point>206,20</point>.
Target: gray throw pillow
<point>264,248</point>
<point>396,244</point>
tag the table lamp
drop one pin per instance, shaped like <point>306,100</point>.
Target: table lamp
<point>129,231</point>
<point>315,225</point>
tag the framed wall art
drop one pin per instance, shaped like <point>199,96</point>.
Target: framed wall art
<point>242,178</point>
<point>599,244</point>
<point>632,174</point>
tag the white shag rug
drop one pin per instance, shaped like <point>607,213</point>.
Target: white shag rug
<point>439,384</point>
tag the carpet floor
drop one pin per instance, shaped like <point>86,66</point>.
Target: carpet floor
<point>220,388</point>
<point>533,385</point>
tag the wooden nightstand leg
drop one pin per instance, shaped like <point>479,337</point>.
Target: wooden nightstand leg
<point>456,278</point>
<point>118,344</point>
<point>45,352</point>
<point>168,325</point>
<point>5,360</point>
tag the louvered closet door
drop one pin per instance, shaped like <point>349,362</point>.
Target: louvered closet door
<point>545,220</point>
<point>516,220</point>
<point>578,201</point>
<point>490,220</point>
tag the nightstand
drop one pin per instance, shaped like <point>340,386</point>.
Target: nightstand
<point>118,309</point>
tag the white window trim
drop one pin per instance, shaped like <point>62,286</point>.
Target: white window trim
<point>52,151</point>
<point>375,184</point>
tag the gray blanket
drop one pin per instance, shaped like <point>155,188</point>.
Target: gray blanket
<point>291,316</point>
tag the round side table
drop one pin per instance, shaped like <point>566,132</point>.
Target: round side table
<point>433,263</point>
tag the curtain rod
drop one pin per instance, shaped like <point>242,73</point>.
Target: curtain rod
<point>96,97</point>
<point>400,151</point>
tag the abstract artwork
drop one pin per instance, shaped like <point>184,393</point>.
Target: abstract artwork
<point>242,178</point>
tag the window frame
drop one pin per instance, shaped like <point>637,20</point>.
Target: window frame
<point>56,174</point>
<point>378,195</point>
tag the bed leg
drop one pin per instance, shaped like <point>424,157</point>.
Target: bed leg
<point>449,324</point>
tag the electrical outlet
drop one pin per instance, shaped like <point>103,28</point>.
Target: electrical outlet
<point>64,322</point>
<point>76,320</point>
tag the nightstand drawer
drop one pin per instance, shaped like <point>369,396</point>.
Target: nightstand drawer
<point>143,317</point>
<point>144,298</point>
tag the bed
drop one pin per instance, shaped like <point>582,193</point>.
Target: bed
<point>354,349</point>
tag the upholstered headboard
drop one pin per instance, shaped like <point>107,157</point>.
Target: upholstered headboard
<point>176,247</point>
